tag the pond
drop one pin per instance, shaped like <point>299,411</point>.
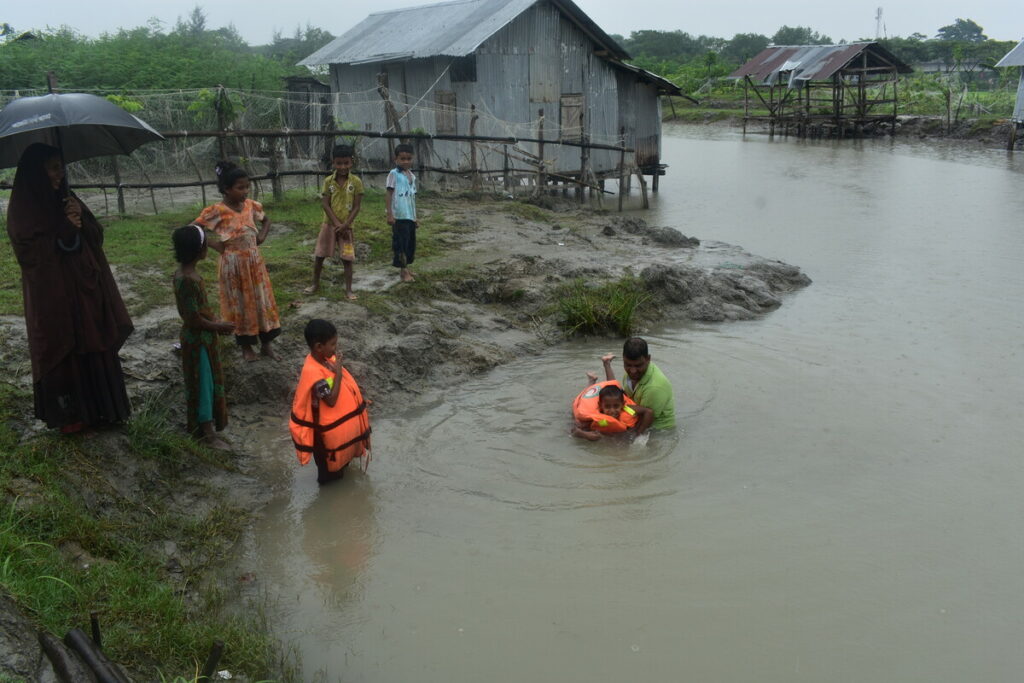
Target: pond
<point>842,502</point>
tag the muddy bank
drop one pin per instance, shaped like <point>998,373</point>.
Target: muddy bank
<point>981,132</point>
<point>487,300</point>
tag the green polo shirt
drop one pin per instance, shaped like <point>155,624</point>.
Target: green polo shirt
<point>655,392</point>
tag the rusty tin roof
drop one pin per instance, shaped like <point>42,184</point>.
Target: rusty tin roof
<point>813,62</point>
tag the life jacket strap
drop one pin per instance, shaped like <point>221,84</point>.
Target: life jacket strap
<point>362,437</point>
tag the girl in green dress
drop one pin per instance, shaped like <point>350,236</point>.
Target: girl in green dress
<point>200,362</point>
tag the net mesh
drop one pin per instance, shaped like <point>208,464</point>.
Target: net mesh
<point>191,158</point>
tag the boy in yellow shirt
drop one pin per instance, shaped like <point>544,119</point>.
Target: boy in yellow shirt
<point>341,198</point>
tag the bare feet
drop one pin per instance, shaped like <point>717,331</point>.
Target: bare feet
<point>248,354</point>
<point>211,439</point>
<point>591,378</point>
<point>268,352</point>
<point>352,297</point>
<point>406,275</point>
<point>312,289</point>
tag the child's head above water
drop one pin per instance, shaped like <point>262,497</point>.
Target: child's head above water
<point>611,400</point>
<point>189,243</point>
<point>322,338</point>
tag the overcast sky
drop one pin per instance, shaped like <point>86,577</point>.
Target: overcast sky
<point>257,20</point>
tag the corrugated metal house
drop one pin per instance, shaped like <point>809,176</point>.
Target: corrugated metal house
<point>841,88</point>
<point>1015,57</point>
<point>509,59</point>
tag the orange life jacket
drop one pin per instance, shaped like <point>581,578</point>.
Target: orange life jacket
<point>586,410</point>
<point>342,428</point>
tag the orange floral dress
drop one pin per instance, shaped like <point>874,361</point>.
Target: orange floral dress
<point>246,296</point>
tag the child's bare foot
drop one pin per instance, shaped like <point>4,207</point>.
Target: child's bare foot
<point>591,378</point>
<point>312,289</point>
<point>608,358</point>
<point>248,354</point>
<point>211,439</point>
<point>265,350</point>
<point>407,276</point>
<point>351,296</point>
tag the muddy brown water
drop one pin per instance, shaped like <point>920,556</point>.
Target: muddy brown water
<point>843,502</point>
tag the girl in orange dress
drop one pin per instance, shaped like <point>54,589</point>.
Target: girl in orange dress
<point>246,296</point>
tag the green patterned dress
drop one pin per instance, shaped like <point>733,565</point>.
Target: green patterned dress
<point>200,362</point>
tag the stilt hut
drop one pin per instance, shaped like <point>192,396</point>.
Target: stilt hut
<point>833,90</point>
<point>504,68</point>
<point>1015,57</point>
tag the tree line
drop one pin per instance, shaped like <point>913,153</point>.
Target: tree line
<point>188,55</point>
<point>687,58</point>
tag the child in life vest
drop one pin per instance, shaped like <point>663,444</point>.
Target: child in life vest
<point>329,419</point>
<point>604,409</point>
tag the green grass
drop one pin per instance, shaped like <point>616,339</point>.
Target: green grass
<point>145,621</point>
<point>530,212</point>
<point>613,307</point>
<point>139,248</point>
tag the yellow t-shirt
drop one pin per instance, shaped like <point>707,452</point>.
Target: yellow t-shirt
<point>342,195</point>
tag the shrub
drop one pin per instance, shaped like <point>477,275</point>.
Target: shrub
<point>594,309</point>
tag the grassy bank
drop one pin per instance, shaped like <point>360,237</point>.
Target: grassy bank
<point>86,522</point>
<point>73,541</point>
<point>140,248</point>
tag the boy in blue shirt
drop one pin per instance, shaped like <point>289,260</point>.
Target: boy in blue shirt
<point>401,211</point>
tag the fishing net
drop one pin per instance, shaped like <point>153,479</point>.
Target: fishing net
<point>187,158</point>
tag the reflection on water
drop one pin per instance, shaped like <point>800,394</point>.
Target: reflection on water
<point>842,504</point>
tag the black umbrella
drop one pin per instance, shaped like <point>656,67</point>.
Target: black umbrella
<point>81,126</point>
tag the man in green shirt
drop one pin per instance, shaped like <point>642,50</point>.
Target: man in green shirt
<point>645,383</point>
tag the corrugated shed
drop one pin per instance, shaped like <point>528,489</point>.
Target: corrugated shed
<point>801,63</point>
<point>452,29</point>
<point>1014,57</point>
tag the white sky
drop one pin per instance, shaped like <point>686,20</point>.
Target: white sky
<point>256,20</point>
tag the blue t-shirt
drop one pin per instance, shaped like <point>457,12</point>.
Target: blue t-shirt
<point>403,203</point>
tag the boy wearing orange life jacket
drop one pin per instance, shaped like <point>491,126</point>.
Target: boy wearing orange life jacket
<point>603,408</point>
<point>329,420</point>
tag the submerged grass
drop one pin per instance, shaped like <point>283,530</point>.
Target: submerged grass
<point>597,309</point>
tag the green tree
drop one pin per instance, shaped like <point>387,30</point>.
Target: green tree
<point>744,46</point>
<point>962,30</point>
<point>799,35</point>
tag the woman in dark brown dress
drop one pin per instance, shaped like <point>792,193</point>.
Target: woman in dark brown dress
<point>74,315</point>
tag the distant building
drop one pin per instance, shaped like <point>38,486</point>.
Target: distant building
<point>1015,57</point>
<point>938,66</point>
<point>508,59</point>
<point>822,89</point>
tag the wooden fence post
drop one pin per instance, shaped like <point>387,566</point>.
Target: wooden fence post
<point>505,170</point>
<point>275,179</point>
<point>218,104</point>
<point>541,171</point>
<point>622,165</point>
<point>120,190</point>
<point>472,148</point>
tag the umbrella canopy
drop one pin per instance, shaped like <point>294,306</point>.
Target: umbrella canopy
<point>82,126</point>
